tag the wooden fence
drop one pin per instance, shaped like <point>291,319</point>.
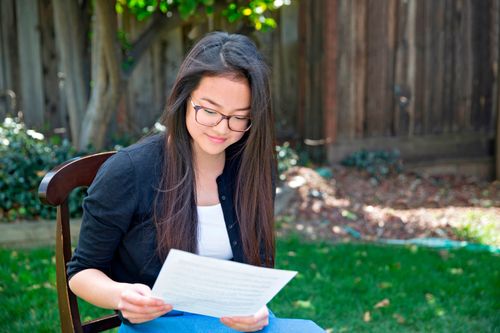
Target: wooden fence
<point>417,75</point>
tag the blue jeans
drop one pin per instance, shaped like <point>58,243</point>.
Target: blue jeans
<point>185,322</point>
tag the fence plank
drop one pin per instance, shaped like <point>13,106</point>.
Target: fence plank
<point>9,60</point>
<point>482,65</point>
<point>51,90</point>
<point>32,99</point>
<point>346,72</point>
<point>447,109</point>
<point>288,66</point>
<point>495,59</point>
<point>360,61</point>
<point>434,71</point>
<point>380,36</point>
<point>405,67</point>
<point>463,64</point>
<point>329,66</point>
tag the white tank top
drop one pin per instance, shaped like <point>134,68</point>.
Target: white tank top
<point>213,240</point>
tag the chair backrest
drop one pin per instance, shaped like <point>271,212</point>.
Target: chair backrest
<point>54,190</point>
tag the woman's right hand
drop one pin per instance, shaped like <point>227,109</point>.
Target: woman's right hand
<point>137,305</point>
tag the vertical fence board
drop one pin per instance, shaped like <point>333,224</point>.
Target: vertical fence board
<point>495,59</point>
<point>405,69</point>
<point>429,62</point>
<point>288,66</point>
<point>379,67</point>
<point>304,23</point>
<point>448,107</point>
<point>30,59</point>
<point>420,64</point>
<point>277,79</point>
<point>50,66</point>
<point>329,67</point>
<point>9,60</point>
<point>463,64</point>
<point>482,65</point>
<point>434,73</point>
<point>360,67</point>
<point>345,74</point>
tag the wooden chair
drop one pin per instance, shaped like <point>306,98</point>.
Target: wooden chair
<point>54,190</point>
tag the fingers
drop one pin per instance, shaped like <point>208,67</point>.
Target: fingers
<point>136,318</point>
<point>130,307</point>
<point>137,297</point>
<point>248,323</point>
<point>244,326</point>
<point>137,305</point>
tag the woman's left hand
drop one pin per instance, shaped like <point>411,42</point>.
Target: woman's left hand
<point>248,323</point>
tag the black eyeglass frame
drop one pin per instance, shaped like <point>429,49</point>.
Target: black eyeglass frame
<point>197,108</point>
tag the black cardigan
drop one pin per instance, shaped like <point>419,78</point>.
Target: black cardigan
<point>118,235</point>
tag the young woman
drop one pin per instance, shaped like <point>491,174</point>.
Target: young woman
<point>205,186</point>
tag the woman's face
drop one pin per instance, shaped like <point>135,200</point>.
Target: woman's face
<point>226,95</point>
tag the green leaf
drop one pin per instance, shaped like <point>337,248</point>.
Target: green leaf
<point>187,8</point>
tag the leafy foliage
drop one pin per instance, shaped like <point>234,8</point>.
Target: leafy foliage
<point>25,158</point>
<point>480,227</point>
<point>378,164</point>
<point>286,158</point>
<point>255,12</point>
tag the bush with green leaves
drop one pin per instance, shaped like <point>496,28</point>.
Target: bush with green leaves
<point>25,157</point>
<point>287,157</point>
<point>378,163</point>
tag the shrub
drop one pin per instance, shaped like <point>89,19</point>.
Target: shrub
<point>378,164</point>
<point>286,158</point>
<point>25,158</point>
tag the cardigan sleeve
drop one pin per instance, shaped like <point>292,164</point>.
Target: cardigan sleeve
<point>108,211</point>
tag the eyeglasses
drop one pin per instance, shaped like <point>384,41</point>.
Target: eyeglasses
<point>211,118</point>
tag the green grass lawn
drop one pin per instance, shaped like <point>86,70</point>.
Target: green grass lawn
<point>338,286</point>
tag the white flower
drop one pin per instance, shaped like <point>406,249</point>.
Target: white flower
<point>35,135</point>
<point>159,127</point>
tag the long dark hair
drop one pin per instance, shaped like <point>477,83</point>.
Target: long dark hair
<point>236,56</point>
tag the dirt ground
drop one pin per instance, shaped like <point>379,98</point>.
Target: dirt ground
<point>351,205</point>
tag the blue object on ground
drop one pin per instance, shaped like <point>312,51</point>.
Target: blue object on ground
<point>352,232</point>
<point>325,172</point>
<point>442,243</point>
<point>192,323</point>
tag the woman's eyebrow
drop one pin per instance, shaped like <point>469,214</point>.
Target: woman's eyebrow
<point>219,106</point>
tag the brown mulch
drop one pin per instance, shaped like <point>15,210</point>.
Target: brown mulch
<point>352,205</point>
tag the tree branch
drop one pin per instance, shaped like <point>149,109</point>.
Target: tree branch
<point>105,10</point>
<point>160,23</point>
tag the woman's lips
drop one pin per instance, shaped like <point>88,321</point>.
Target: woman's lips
<point>216,139</point>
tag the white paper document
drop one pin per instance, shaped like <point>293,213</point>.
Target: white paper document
<point>215,287</point>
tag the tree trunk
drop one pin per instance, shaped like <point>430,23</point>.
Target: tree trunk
<point>70,42</point>
<point>497,164</point>
<point>106,76</point>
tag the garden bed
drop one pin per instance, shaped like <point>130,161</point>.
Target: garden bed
<point>353,205</point>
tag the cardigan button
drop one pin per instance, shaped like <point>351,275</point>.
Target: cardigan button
<point>235,242</point>
<point>223,197</point>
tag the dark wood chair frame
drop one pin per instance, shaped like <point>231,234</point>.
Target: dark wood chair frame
<point>54,190</point>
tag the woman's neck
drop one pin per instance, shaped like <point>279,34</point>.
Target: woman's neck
<point>207,165</point>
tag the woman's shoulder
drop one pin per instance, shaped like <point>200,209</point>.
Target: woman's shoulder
<point>143,158</point>
<point>148,147</point>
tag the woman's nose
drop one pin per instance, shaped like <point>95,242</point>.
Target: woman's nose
<point>223,126</point>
